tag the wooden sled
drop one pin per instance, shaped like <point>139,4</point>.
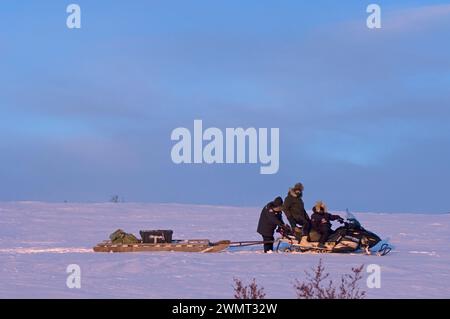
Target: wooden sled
<point>192,245</point>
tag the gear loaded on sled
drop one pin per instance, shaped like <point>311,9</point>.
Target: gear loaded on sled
<point>350,237</point>
<point>121,237</point>
<point>157,240</point>
<point>156,236</point>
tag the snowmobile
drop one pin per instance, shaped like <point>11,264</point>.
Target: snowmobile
<point>350,237</point>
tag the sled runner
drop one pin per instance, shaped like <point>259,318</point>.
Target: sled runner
<point>192,245</point>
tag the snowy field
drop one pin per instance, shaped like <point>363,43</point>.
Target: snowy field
<point>39,240</point>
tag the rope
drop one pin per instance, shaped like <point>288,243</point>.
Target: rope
<point>249,243</point>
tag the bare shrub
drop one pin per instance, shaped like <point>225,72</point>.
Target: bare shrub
<point>349,289</point>
<point>251,291</point>
<point>317,287</point>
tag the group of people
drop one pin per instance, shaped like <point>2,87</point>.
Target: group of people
<point>299,221</point>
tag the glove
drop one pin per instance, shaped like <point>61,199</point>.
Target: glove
<point>283,229</point>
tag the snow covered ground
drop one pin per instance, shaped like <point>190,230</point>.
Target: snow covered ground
<point>39,240</point>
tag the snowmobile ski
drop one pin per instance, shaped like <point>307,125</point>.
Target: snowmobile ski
<point>384,250</point>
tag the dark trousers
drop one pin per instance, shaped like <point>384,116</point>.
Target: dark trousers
<point>306,228</point>
<point>269,245</point>
<point>324,231</point>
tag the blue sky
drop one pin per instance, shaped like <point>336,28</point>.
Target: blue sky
<point>363,114</point>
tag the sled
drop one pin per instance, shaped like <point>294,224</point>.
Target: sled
<point>191,245</point>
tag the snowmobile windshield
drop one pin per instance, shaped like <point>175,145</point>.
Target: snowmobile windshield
<point>351,219</point>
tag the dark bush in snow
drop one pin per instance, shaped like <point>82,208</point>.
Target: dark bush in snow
<point>316,287</point>
<point>251,291</point>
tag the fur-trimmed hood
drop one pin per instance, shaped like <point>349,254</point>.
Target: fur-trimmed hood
<point>292,193</point>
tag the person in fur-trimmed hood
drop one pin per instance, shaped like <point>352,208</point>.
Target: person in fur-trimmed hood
<point>321,221</point>
<point>294,209</point>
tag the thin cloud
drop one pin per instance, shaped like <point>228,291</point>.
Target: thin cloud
<point>417,18</point>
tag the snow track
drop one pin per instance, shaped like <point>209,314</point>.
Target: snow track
<point>56,250</point>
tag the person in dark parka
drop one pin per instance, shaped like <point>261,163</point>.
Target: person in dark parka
<point>320,220</point>
<point>294,209</point>
<point>269,219</point>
